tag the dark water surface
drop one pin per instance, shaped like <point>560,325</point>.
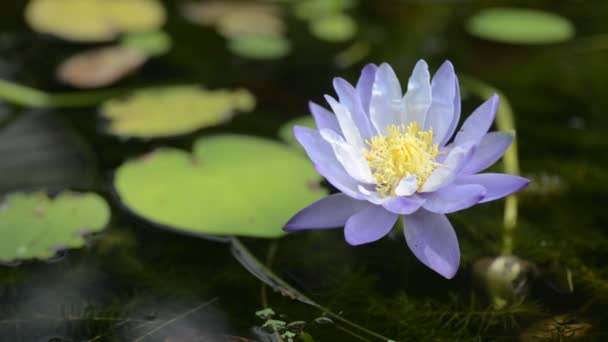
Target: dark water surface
<point>136,280</point>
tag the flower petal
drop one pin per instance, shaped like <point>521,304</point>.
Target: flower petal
<point>349,156</point>
<point>349,127</point>
<point>433,241</point>
<point>492,146</point>
<point>453,198</point>
<point>497,184</point>
<point>403,205</point>
<point>441,112</point>
<point>386,106</point>
<point>478,123</point>
<point>365,84</point>
<point>455,117</point>
<point>417,99</point>
<point>368,225</point>
<point>324,118</point>
<point>349,98</point>
<point>454,162</point>
<point>330,212</point>
<point>407,186</point>
<point>325,161</point>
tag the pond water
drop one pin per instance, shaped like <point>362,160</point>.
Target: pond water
<point>140,279</point>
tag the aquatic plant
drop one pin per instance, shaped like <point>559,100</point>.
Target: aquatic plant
<point>388,154</point>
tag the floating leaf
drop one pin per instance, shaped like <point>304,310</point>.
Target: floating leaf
<point>241,23</point>
<point>94,20</point>
<point>100,67</point>
<point>153,43</point>
<point>260,47</point>
<point>286,131</point>
<point>212,12</point>
<point>520,26</point>
<point>39,152</point>
<point>170,111</point>
<point>334,28</point>
<point>312,9</point>
<point>35,226</point>
<point>231,185</point>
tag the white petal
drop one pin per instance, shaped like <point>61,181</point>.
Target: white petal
<point>386,106</point>
<point>372,196</point>
<point>407,186</point>
<point>347,124</point>
<point>454,162</point>
<point>349,156</point>
<point>440,114</point>
<point>417,99</point>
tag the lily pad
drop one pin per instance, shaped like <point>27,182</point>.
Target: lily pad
<point>153,43</point>
<point>100,67</point>
<point>234,18</point>
<point>334,28</point>
<point>241,23</point>
<point>94,20</point>
<point>230,185</point>
<point>312,9</point>
<point>520,26</point>
<point>260,47</point>
<point>286,131</point>
<point>34,226</point>
<point>171,111</point>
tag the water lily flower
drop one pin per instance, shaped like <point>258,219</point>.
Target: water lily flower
<point>392,155</point>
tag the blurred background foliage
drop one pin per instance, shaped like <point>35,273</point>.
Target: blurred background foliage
<point>128,107</point>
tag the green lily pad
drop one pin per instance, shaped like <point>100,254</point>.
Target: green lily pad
<point>153,43</point>
<point>230,185</point>
<point>286,131</point>
<point>94,20</point>
<point>312,9</point>
<point>33,226</point>
<point>170,111</point>
<point>260,47</point>
<point>334,28</point>
<point>520,26</point>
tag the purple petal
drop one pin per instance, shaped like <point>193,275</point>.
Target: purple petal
<point>453,198</point>
<point>403,205</point>
<point>456,159</point>
<point>455,117</point>
<point>478,123</point>
<point>441,112</point>
<point>324,118</point>
<point>349,98</point>
<point>417,99</point>
<point>365,84</point>
<point>324,160</point>
<point>368,225</point>
<point>492,146</point>
<point>386,107</point>
<point>329,212</point>
<point>433,241</point>
<point>497,184</point>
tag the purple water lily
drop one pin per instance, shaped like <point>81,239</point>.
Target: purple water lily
<point>388,154</point>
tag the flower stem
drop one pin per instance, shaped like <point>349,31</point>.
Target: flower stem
<point>264,274</point>
<point>505,121</point>
<point>29,97</point>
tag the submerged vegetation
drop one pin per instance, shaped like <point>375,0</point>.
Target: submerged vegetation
<point>137,206</point>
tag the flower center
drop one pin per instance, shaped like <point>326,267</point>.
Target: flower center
<point>403,152</point>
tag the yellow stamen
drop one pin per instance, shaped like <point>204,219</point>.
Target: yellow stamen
<point>403,152</point>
